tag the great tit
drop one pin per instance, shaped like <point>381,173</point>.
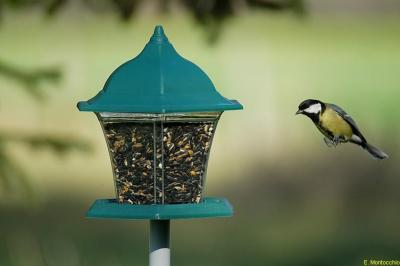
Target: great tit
<point>336,125</point>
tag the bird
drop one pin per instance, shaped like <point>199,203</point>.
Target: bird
<point>336,125</point>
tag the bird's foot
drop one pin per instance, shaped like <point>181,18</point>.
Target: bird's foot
<point>336,141</point>
<point>329,142</point>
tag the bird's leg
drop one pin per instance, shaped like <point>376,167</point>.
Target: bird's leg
<point>336,140</point>
<point>328,142</point>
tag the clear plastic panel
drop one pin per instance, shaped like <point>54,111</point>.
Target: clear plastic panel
<point>159,159</point>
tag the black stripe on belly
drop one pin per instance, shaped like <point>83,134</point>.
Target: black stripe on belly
<point>326,132</point>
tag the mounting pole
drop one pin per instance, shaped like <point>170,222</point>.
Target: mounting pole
<point>160,216</point>
<point>160,253</point>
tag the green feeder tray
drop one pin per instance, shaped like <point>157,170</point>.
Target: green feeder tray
<point>208,207</point>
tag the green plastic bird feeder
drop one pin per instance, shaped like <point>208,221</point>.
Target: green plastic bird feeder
<point>159,113</point>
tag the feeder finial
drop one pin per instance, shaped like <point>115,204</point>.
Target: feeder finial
<point>159,35</point>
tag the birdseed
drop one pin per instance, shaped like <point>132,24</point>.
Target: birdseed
<point>159,162</point>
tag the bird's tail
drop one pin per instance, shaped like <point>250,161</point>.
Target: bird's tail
<point>374,151</point>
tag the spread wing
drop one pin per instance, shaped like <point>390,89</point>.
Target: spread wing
<point>347,118</point>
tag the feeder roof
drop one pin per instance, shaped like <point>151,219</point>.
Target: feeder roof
<point>158,80</point>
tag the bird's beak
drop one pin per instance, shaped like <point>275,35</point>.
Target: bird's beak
<point>299,112</point>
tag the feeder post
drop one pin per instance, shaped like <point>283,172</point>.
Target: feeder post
<point>159,251</point>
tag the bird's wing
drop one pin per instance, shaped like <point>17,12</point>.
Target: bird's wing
<point>346,117</point>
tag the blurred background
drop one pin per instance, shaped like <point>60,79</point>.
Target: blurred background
<point>297,202</point>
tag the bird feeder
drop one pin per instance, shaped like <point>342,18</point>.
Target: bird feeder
<point>159,113</point>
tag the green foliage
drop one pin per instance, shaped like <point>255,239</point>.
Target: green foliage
<point>59,144</point>
<point>10,170</point>
<point>11,173</point>
<point>209,14</point>
<point>30,80</point>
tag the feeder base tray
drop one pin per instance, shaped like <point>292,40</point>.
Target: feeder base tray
<point>208,207</point>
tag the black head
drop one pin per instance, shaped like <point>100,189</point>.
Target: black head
<point>311,108</point>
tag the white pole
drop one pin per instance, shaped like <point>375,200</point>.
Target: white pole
<point>160,254</point>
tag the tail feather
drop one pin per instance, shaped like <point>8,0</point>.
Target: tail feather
<point>374,151</point>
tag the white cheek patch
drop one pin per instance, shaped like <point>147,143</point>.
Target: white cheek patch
<point>315,109</point>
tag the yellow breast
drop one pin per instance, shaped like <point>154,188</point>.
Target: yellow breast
<point>335,124</point>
